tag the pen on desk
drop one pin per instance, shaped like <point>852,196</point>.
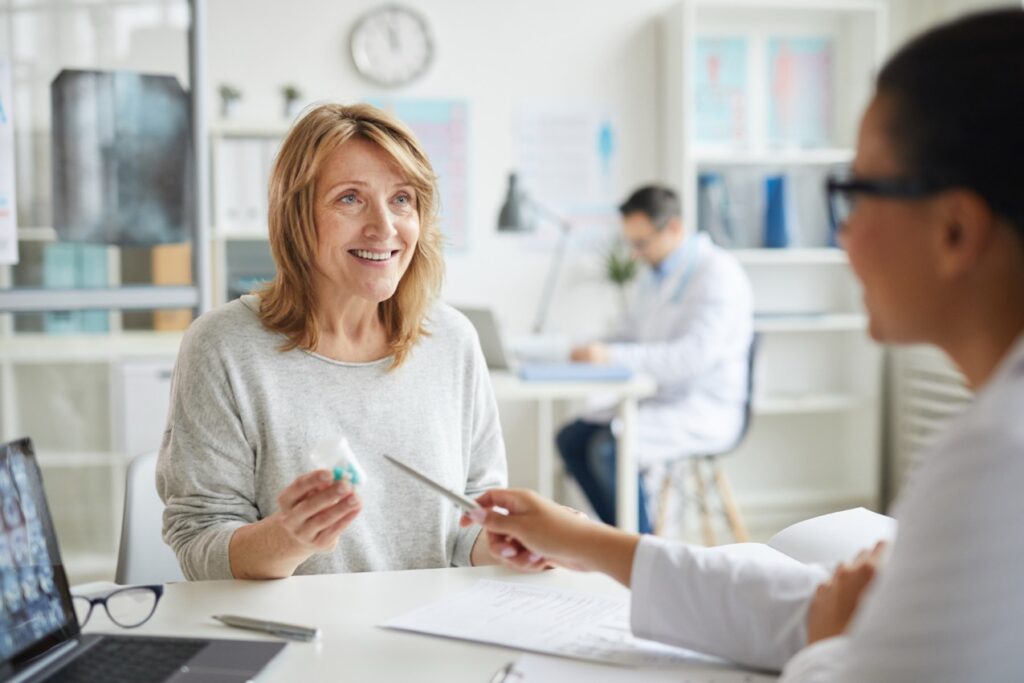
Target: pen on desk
<point>290,631</point>
<point>502,674</point>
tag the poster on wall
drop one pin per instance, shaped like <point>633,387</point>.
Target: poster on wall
<point>8,208</point>
<point>567,160</point>
<point>720,96</point>
<point>441,127</point>
<point>800,92</point>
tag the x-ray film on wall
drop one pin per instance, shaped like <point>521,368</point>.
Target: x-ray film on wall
<point>121,158</point>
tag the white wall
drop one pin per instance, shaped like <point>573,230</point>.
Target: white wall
<point>910,17</point>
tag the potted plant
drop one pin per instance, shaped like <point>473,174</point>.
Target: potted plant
<point>620,267</point>
<point>292,97</point>
<point>230,96</point>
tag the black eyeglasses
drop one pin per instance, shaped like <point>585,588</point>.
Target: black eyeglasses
<point>842,193</point>
<point>127,607</point>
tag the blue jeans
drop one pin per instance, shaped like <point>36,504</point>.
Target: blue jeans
<point>589,454</point>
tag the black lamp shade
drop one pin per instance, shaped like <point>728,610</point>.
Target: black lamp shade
<point>513,212</point>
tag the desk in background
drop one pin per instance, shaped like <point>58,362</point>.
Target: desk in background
<point>348,608</point>
<point>509,387</point>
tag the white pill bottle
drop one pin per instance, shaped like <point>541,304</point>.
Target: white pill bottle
<point>335,455</point>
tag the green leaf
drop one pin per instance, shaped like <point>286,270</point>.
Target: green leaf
<point>620,266</point>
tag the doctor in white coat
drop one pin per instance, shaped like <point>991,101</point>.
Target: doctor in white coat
<point>689,326</point>
<point>933,220</point>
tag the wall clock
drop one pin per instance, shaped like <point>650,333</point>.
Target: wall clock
<point>391,45</point>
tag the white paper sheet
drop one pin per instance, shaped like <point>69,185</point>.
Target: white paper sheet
<point>836,537</point>
<point>546,620</point>
<point>536,669</point>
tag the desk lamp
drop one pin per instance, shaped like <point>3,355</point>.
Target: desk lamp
<point>515,216</point>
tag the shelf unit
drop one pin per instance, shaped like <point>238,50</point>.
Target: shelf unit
<point>815,440</point>
<point>108,392</point>
<point>241,155</point>
<point>112,391</point>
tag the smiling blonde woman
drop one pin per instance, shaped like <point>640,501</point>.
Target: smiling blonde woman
<point>348,339</point>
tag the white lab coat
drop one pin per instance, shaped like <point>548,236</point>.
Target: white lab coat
<point>691,333</point>
<point>948,605</point>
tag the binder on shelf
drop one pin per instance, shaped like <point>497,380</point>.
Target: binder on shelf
<point>242,169</point>
<point>75,266</point>
<point>252,188</point>
<point>172,265</point>
<point>93,260</point>
<point>714,211</point>
<point>776,216</point>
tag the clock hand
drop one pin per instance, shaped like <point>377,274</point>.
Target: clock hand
<point>393,34</point>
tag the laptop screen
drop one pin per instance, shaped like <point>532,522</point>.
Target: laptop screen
<point>491,343</point>
<point>36,612</point>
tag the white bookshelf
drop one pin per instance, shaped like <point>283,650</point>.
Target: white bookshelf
<point>111,388</point>
<point>241,156</point>
<point>815,439</point>
<point>112,391</point>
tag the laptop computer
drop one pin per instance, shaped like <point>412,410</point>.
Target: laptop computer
<point>498,358</point>
<point>40,639</point>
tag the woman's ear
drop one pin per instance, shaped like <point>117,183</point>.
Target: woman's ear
<point>965,231</point>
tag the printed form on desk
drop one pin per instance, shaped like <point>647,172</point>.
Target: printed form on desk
<point>537,669</point>
<point>558,622</point>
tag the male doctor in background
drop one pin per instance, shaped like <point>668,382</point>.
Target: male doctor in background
<point>689,326</point>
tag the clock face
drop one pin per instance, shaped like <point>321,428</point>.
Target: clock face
<point>391,45</point>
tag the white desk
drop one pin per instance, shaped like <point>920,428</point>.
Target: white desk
<point>347,608</point>
<point>509,387</point>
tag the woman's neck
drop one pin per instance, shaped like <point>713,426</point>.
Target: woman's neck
<point>351,330</point>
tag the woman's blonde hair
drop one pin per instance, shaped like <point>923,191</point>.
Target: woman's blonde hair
<point>288,301</point>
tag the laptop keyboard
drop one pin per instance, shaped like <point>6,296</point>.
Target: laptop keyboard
<point>129,659</point>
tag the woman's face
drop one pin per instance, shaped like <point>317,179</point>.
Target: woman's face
<point>891,242</point>
<point>367,222</point>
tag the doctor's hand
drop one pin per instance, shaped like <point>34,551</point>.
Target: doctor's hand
<point>837,599</point>
<point>591,353</point>
<point>538,529</point>
<point>504,549</point>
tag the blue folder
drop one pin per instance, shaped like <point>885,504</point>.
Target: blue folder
<point>582,372</point>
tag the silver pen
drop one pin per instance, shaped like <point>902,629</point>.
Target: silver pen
<point>503,674</point>
<point>276,628</point>
<point>467,504</point>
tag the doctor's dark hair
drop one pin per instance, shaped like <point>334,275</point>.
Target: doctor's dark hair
<point>957,99</point>
<point>658,203</point>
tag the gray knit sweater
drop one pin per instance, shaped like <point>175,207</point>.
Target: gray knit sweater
<point>244,417</point>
